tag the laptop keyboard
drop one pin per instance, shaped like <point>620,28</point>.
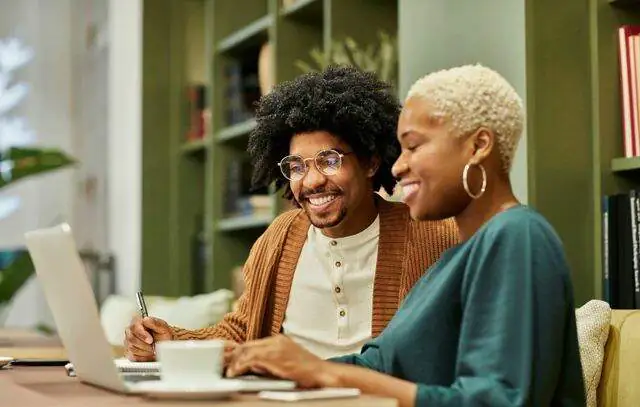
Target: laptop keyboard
<point>139,377</point>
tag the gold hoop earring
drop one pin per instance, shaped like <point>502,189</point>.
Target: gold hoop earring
<point>465,181</point>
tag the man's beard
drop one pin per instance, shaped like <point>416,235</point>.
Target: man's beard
<point>331,221</point>
<point>327,221</point>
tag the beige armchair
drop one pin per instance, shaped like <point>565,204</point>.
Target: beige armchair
<point>620,379</point>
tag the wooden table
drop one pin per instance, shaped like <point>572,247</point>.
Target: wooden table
<point>23,343</point>
<point>50,386</point>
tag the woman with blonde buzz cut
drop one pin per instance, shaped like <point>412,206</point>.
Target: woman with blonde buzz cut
<point>492,323</point>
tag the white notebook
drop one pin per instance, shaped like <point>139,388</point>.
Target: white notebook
<point>126,366</point>
<point>311,394</point>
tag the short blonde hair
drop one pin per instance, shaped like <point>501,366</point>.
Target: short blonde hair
<point>473,96</point>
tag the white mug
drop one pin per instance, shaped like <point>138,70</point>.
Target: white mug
<point>190,362</point>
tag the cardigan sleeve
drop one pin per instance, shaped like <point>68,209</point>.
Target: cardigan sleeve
<point>516,282</point>
<point>233,325</point>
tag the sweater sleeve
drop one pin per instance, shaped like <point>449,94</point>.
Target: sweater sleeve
<point>233,326</point>
<point>370,357</point>
<point>516,300</point>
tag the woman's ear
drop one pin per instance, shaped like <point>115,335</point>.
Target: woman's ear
<point>483,143</point>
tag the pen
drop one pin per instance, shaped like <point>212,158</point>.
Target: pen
<point>142,307</point>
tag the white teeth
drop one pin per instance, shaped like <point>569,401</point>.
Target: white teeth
<point>409,189</point>
<point>322,200</point>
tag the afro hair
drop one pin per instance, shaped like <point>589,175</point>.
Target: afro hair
<point>342,100</point>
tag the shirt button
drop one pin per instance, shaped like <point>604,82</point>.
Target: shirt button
<point>338,289</point>
<point>343,313</point>
<point>338,264</point>
<point>333,243</point>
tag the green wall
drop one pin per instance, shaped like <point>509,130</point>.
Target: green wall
<point>542,48</point>
<point>437,34</point>
<point>560,144</point>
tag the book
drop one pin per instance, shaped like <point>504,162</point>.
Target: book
<point>621,250</point>
<point>629,69</point>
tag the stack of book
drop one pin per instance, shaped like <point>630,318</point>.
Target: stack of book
<point>629,63</point>
<point>242,91</point>
<point>196,112</point>
<point>240,198</point>
<point>620,255</point>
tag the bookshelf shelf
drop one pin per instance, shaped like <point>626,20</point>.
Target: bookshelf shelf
<point>193,147</point>
<point>254,33</point>
<point>243,222</point>
<point>625,3</point>
<point>191,190</point>
<point>624,164</point>
<point>305,10</point>
<point>236,131</point>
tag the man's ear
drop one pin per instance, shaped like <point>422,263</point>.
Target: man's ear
<point>374,164</point>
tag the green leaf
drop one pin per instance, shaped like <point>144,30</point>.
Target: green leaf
<point>18,163</point>
<point>380,58</point>
<point>319,57</point>
<point>14,276</point>
<point>304,67</point>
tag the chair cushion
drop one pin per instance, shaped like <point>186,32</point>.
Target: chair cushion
<point>186,312</point>
<point>192,312</point>
<point>593,320</point>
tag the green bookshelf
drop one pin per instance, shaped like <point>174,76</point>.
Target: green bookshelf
<point>194,147</point>
<point>310,11</point>
<point>574,130</point>
<point>625,3</point>
<point>236,131</point>
<point>252,34</point>
<point>244,222</point>
<point>613,173</point>
<point>620,165</point>
<point>575,125</point>
<point>192,189</point>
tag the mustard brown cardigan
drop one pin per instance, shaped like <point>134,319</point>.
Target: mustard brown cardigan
<point>406,249</point>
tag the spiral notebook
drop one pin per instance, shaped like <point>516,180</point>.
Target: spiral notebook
<point>126,366</point>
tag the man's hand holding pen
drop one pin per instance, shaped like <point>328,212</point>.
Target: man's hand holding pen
<point>141,335</point>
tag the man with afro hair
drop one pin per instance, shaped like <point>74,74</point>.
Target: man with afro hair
<point>331,273</point>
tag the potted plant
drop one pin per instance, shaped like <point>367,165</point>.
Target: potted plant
<point>18,160</point>
<point>380,58</point>
<point>16,164</point>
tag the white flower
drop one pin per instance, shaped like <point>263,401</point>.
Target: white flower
<point>6,168</point>
<point>11,97</point>
<point>13,54</point>
<point>14,132</point>
<point>8,205</point>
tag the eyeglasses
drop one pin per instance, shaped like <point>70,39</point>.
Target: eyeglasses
<point>328,162</point>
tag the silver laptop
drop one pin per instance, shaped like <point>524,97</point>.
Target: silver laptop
<point>71,300</point>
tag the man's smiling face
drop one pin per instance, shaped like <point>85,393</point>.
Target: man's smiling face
<point>329,200</point>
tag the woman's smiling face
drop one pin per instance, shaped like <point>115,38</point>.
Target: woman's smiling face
<point>430,166</point>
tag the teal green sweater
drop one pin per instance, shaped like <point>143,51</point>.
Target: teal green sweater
<point>492,323</point>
